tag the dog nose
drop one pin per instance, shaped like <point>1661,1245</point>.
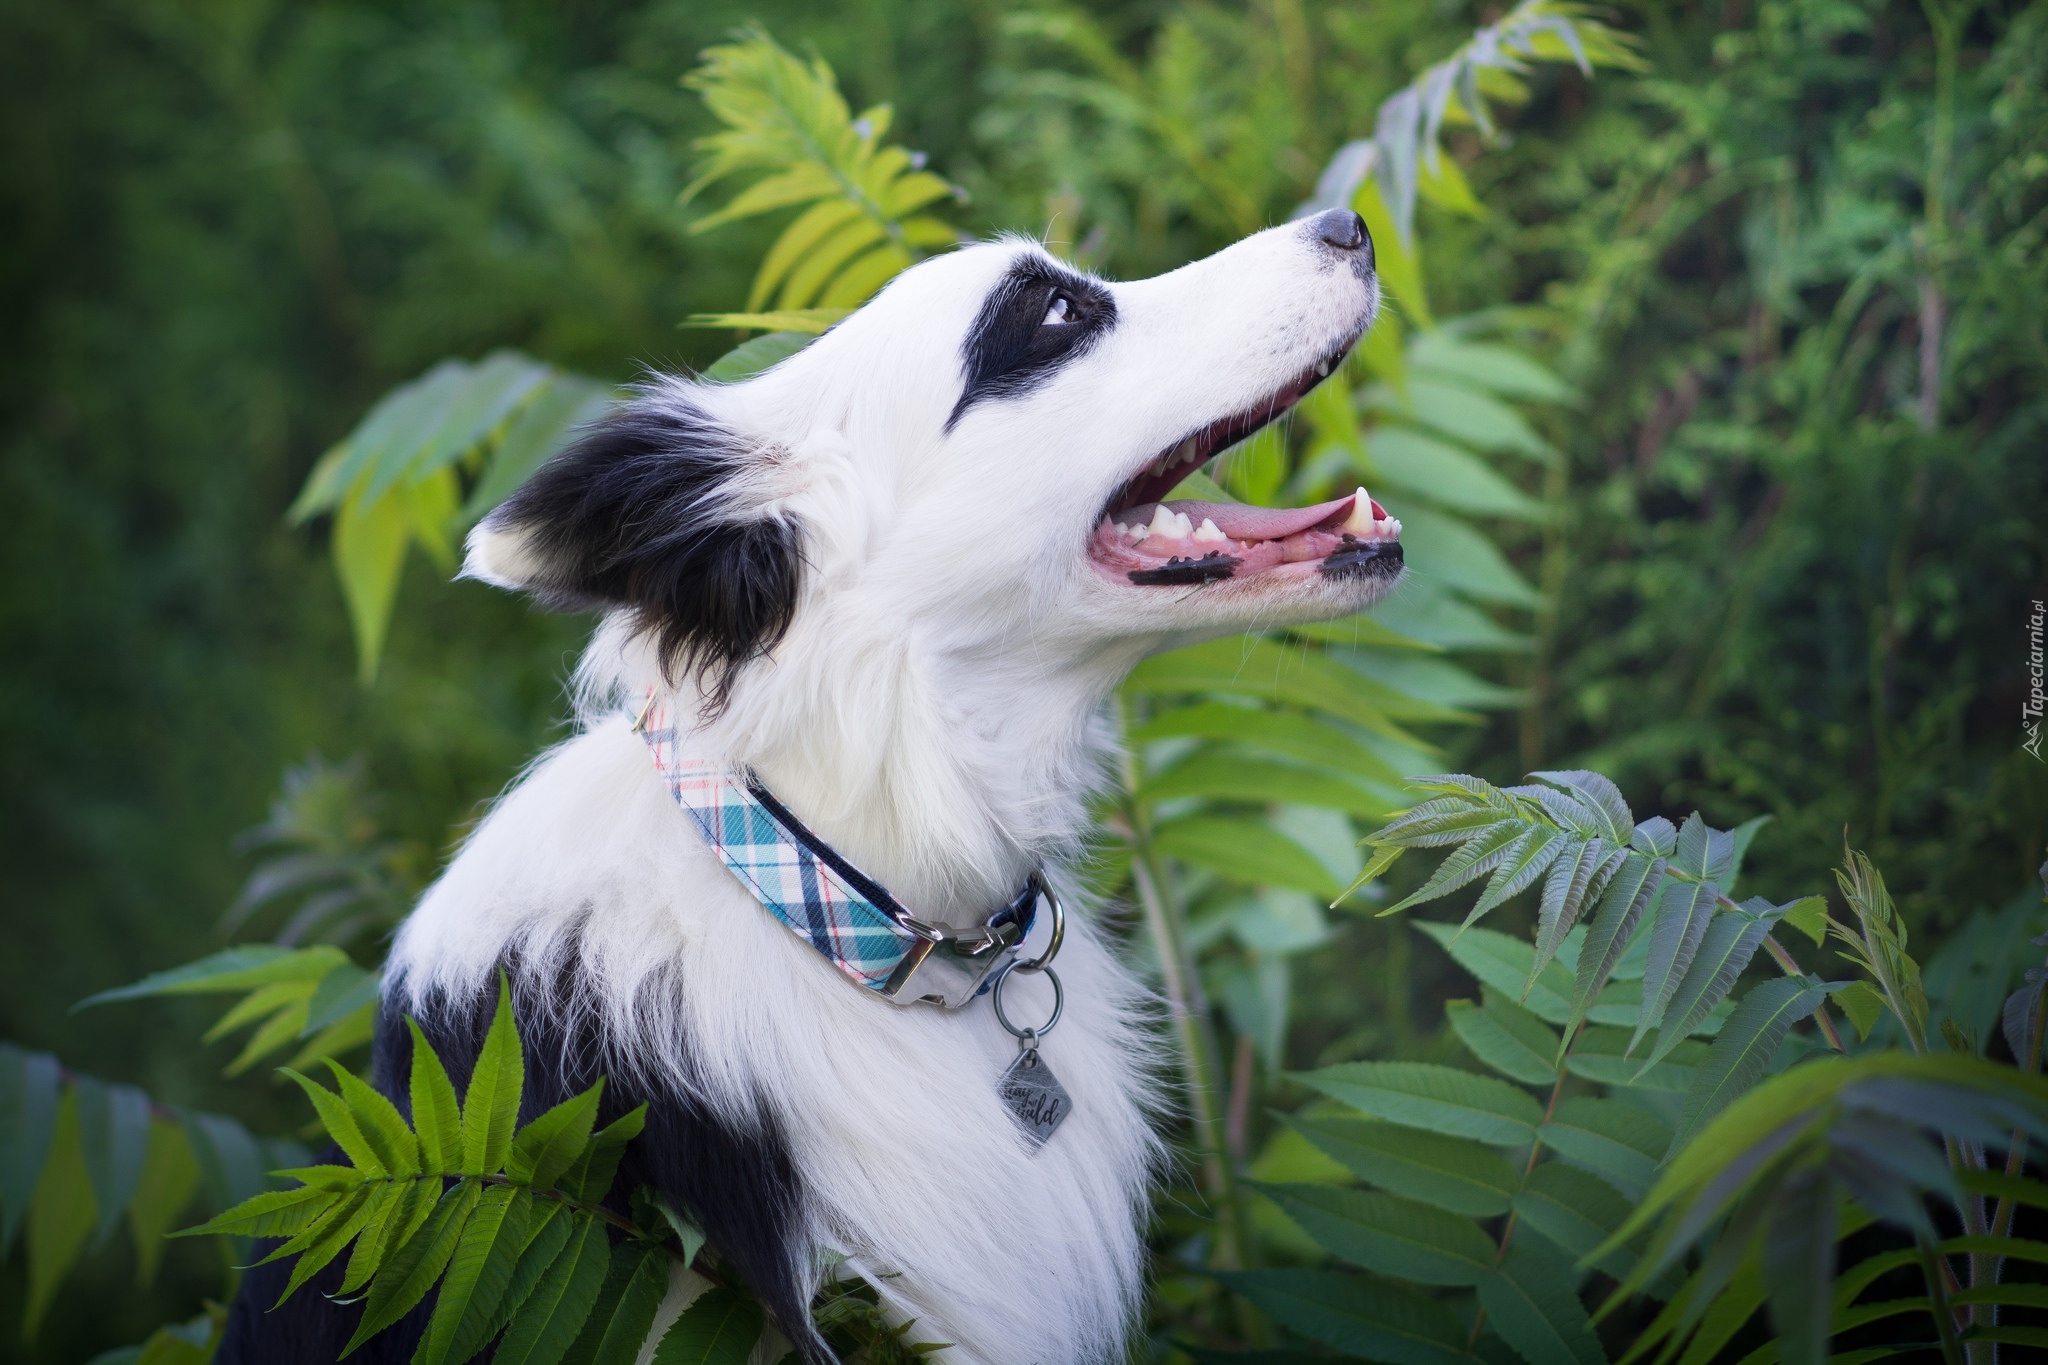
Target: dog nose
<point>1341,228</point>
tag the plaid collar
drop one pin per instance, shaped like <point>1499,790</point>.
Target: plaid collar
<point>822,898</point>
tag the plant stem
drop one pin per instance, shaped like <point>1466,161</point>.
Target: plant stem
<point>1507,1231</point>
<point>1937,1298</point>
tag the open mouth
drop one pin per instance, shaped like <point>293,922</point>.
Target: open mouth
<point>1153,543</point>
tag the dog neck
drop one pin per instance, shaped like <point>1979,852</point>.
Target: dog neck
<point>947,774</point>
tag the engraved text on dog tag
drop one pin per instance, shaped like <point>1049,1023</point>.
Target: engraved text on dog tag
<point>1035,1096</point>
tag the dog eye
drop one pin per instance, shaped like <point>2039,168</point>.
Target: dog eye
<point>1059,312</point>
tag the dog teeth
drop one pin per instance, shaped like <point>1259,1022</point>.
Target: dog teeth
<point>1207,532</point>
<point>1170,524</point>
<point>1360,522</point>
<point>1322,369</point>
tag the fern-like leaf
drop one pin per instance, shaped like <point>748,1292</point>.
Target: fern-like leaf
<point>789,130</point>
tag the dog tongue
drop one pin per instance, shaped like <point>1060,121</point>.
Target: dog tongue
<point>1242,521</point>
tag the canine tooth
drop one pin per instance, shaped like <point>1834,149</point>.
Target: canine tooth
<point>1208,533</point>
<point>1185,451</point>
<point>1360,522</point>
<point>1164,523</point>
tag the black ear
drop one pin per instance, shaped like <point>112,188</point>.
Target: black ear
<point>654,510</point>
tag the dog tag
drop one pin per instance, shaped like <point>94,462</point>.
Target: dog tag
<point>1035,1096</point>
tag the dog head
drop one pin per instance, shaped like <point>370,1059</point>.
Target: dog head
<point>975,458</point>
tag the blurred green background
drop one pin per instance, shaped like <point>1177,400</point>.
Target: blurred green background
<point>1780,577</point>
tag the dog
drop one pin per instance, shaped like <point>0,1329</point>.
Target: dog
<point>893,580</point>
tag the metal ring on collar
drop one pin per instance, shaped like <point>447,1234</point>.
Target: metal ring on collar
<point>1059,930</point>
<point>1059,1002</point>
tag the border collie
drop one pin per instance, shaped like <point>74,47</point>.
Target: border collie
<point>892,581</point>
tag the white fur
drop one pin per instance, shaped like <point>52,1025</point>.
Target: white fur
<point>935,712</point>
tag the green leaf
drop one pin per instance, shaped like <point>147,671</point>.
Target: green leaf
<point>344,991</point>
<point>1473,418</point>
<point>1450,1173</point>
<point>547,1321</point>
<point>1577,877</point>
<point>719,1328</point>
<point>170,1177</point>
<point>1222,774</point>
<point>1531,856</point>
<point>340,1124</point>
<point>436,1116</point>
<point>1505,963</point>
<point>232,1164</point>
<point>412,1203</point>
<point>1250,666</point>
<point>548,1146</point>
<point>1615,1141</point>
<point>1443,473</point>
<point>1683,912</point>
<point>1437,1098</point>
<point>635,1285</point>
<point>231,970</point>
<point>1998,1185</point>
<point>1746,1045</point>
<point>1472,860</point>
<point>479,1271</point>
<point>1360,1316</point>
<point>750,358</point>
<point>1628,893</point>
<point>1601,1054</point>
<point>1499,368</point>
<point>1861,1002</point>
<point>1507,1038</point>
<point>61,1214</point>
<point>28,1122</point>
<point>412,1268</point>
<point>543,428</point>
<point>113,1123</point>
<point>591,1177</point>
<point>380,1123</point>
<point>1798,1256</point>
<point>547,1232</point>
<point>274,1213</point>
<point>808,321</point>
<point>1459,556</point>
<point>1809,916</point>
<point>1291,734</point>
<point>1576,1211</point>
<point>1388,1234</point>
<point>490,1109</point>
<point>1533,1303</point>
<point>1730,942</point>
<point>1245,850</point>
<point>358,1215</point>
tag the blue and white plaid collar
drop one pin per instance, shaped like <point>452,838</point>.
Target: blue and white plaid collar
<point>821,897</point>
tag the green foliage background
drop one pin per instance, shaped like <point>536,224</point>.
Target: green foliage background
<point>229,226</point>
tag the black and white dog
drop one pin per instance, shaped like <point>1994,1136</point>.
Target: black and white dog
<point>895,577</point>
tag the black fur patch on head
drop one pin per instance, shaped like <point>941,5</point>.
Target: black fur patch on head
<point>639,514</point>
<point>1037,318</point>
<point>736,1179</point>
